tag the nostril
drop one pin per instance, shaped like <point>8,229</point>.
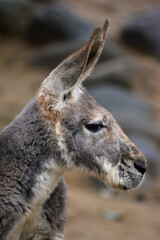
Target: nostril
<point>140,168</point>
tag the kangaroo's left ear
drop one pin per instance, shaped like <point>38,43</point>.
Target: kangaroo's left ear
<point>75,68</point>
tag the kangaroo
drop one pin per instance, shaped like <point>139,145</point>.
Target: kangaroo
<point>62,128</point>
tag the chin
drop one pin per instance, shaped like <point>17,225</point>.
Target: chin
<point>125,185</point>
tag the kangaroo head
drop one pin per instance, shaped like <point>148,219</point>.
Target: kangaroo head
<point>88,136</point>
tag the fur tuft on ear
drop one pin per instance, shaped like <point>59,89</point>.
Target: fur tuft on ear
<point>105,27</point>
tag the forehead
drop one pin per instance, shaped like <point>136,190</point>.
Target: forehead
<point>86,107</point>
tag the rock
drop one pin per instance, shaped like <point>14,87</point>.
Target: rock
<point>13,15</point>
<point>51,22</point>
<point>42,1</point>
<point>150,151</point>
<point>133,113</point>
<point>111,50</point>
<point>143,32</point>
<point>117,71</point>
<point>140,197</point>
<point>112,215</point>
<point>50,56</point>
<point>134,122</point>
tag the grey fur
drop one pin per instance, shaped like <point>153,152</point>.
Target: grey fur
<point>25,145</point>
<point>49,137</point>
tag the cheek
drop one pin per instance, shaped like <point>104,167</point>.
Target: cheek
<point>100,144</point>
<point>110,150</point>
<point>84,148</point>
<point>79,142</point>
<point>103,144</point>
<point>93,139</point>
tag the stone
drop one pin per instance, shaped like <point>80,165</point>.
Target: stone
<point>51,55</point>
<point>143,32</point>
<point>111,50</point>
<point>42,1</point>
<point>117,71</point>
<point>14,15</point>
<point>54,22</point>
<point>112,215</point>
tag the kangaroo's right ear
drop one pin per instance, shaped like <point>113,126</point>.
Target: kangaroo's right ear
<point>74,69</point>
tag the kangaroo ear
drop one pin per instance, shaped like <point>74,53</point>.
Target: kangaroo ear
<point>96,44</point>
<point>75,68</point>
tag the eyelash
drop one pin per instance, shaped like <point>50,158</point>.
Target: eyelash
<point>94,127</point>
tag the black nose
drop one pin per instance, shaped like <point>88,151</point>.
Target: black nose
<point>140,167</point>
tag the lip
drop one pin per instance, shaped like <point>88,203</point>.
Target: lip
<point>123,185</point>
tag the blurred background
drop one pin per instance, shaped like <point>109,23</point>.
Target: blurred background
<point>35,35</point>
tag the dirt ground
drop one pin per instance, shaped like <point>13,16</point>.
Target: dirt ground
<point>140,210</point>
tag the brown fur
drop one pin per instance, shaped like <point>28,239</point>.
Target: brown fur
<point>47,110</point>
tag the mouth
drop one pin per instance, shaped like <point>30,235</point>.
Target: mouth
<point>124,185</point>
<point>123,180</point>
<point>122,177</point>
<point>133,183</point>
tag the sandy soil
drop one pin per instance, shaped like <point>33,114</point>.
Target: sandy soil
<point>140,219</point>
<point>18,85</point>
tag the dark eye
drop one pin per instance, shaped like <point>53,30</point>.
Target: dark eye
<point>94,127</point>
<point>66,96</point>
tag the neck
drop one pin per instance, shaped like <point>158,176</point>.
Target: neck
<point>45,183</point>
<point>33,148</point>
